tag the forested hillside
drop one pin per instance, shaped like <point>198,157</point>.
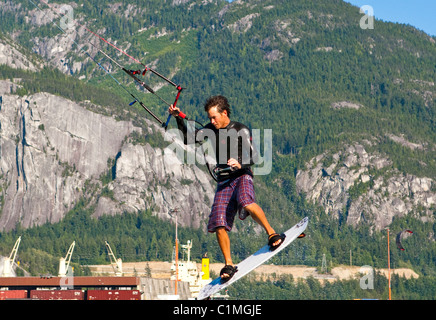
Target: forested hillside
<point>294,59</point>
<point>304,69</point>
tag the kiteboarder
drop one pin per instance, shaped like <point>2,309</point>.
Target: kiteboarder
<point>235,154</point>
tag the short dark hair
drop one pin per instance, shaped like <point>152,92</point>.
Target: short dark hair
<point>220,102</point>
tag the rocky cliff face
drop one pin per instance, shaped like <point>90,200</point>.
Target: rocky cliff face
<point>53,152</point>
<point>365,188</point>
<point>157,179</point>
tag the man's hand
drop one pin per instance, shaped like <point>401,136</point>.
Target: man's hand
<point>234,163</point>
<point>174,111</point>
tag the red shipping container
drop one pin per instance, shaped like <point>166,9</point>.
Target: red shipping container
<point>13,294</point>
<point>113,295</point>
<point>56,294</point>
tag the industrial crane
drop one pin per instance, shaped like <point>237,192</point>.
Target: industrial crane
<point>117,264</point>
<point>64,263</point>
<point>9,262</point>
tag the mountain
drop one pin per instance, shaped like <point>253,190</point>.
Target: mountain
<point>352,112</point>
<point>366,187</point>
<point>55,152</point>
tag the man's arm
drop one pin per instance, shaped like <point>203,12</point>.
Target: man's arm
<point>181,124</point>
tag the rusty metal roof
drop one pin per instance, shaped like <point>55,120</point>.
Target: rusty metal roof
<point>47,282</point>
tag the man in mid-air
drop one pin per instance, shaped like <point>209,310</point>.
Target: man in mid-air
<point>235,192</point>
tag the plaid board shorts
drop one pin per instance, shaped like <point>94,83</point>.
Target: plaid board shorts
<point>229,198</point>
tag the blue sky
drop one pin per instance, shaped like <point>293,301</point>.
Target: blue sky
<point>419,13</point>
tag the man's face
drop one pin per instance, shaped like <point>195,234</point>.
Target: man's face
<point>219,120</point>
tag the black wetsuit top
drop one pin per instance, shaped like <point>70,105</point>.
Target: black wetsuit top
<point>233,141</point>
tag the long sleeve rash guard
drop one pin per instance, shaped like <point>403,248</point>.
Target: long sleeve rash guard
<point>234,141</point>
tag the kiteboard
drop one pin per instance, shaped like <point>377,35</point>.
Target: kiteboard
<point>253,261</point>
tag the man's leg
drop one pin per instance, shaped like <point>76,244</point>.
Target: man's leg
<point>220,221</point>
<point>258,215</point>
<point>224,243</point>
<point>246,199</point>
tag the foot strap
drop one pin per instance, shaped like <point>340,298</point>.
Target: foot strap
<point>274,238</point>
<point>229,270</point>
